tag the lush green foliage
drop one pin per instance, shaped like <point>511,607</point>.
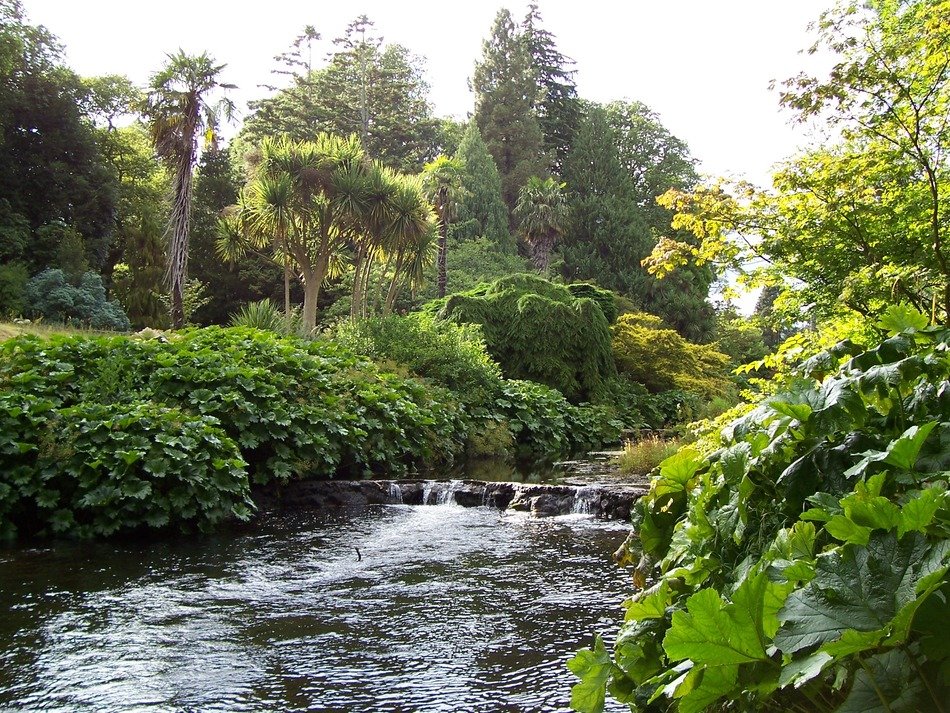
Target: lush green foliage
<point>49,295</point>
<point>538,330</point>
<point>481,213</point>
<point>92,470</point>
<point>294,408</point>
<point>659,358</point>
<point>538,421</point>
<point>802,563</point>
<point>622,159</point>
<point>266,315</point>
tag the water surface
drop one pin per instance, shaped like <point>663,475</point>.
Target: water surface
<point>448,609</point>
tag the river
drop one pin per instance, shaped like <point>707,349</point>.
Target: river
<point>387,608</point>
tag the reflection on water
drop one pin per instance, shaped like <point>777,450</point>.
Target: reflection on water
<point>449,609</point>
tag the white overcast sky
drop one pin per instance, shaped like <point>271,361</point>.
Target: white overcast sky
<point>703,65</point>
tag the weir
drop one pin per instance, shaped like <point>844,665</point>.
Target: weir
<point>608,500</point>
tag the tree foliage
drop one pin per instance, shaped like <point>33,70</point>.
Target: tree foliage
<point>800,562</point>
<point>504,83</point>
<point>861,221</point>
<point>368,88</point>
<point>482,212</point>
<point>538,330</point>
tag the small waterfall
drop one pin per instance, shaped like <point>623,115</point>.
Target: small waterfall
<point>447,496</point>
<point>427,491</point>
<point>395,493</point>
<point>585,498</point>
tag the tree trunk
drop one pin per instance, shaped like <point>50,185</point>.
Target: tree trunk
<point>541,254</point>
<point>443,248</point>
<point>287,287</point>
<point>311,294</point>
<point>178,239</point>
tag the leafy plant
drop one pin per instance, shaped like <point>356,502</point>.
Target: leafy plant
<point>801,562</point>
<point>51,296</point>
<point>266,315</point>
<point>642,456</point>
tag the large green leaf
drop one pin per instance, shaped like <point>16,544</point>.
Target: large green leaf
<point>716,633</point>
<point>593,667</point>
<point>858,587</point>
<point>886,683</point>
<point>902,318</point>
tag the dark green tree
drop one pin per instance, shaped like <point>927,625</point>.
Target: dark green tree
<point>481,212</point>
<point>368,88</point>
<point>505,89</point>
<point>612,229</point>
<point>51,170</point>
<point>231,285</point>
<point>556,104</point>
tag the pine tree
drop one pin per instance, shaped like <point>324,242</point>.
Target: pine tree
<point>556,104</point>
<point>504,87</point>
<point>481,212</point>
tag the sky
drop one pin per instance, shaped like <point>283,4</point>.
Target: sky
<point>704,66</point>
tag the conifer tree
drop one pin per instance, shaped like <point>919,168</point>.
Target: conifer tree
<point>556,104</point>
<point>481,211</point>
<point>504,87</point>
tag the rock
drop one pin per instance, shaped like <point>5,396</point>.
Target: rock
<point>609,501</point>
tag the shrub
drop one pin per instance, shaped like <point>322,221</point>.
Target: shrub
<point>449,354</point>
<point>537,330</point>
<point>51,296</point>
<point>267,315</point>
<point>642,456</point>
<point>95,470</point>
<point>660,359</point>
<point>801,561</point>
<point>295,409</point>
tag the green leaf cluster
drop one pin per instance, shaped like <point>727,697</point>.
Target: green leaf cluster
<point>800,563</point>
<point>541,331</point>
<point>287,407</point>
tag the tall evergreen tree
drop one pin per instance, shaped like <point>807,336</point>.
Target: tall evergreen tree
<point>556,104</point>
<point>481,211</point>
<point>614,221</point>
<point>505,88</point>
<point>368,88</point>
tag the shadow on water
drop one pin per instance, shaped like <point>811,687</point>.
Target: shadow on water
<point>449,609</point>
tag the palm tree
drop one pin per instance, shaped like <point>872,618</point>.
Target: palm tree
<point>178,111</point>
<point>542,211</point>
<point>442,180</point>
<point>408,237</point>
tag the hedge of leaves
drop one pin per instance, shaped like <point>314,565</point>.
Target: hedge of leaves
<point>801,566</point>
<point>222,404</point>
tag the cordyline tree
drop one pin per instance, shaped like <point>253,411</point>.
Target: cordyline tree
<point>442,180</point>
<point>179,108</point>
<point>863,222</point>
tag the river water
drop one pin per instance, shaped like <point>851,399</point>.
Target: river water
<point>444,609</point>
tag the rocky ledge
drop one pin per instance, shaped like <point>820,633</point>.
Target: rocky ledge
<point>610,501</point>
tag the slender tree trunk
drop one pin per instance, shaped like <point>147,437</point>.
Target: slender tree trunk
<point>287,287</point>
<point>179,227</point>
<point>355,295</point>
<point>393,291</point>
<point>311,294</point>
<point>443,249</point>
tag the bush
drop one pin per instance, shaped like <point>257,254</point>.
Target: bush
<point>659,358</point>
<point>801,561</point>
<point>641,457</point>
<point>295,409</point>
<point>94,470</point>
<point>51,296</point>
<point>537,330</point>
<point>449,354</point>
<point>266,315</point>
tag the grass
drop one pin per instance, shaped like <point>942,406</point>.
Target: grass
<point>643,456</point>
<point>8,330</point>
